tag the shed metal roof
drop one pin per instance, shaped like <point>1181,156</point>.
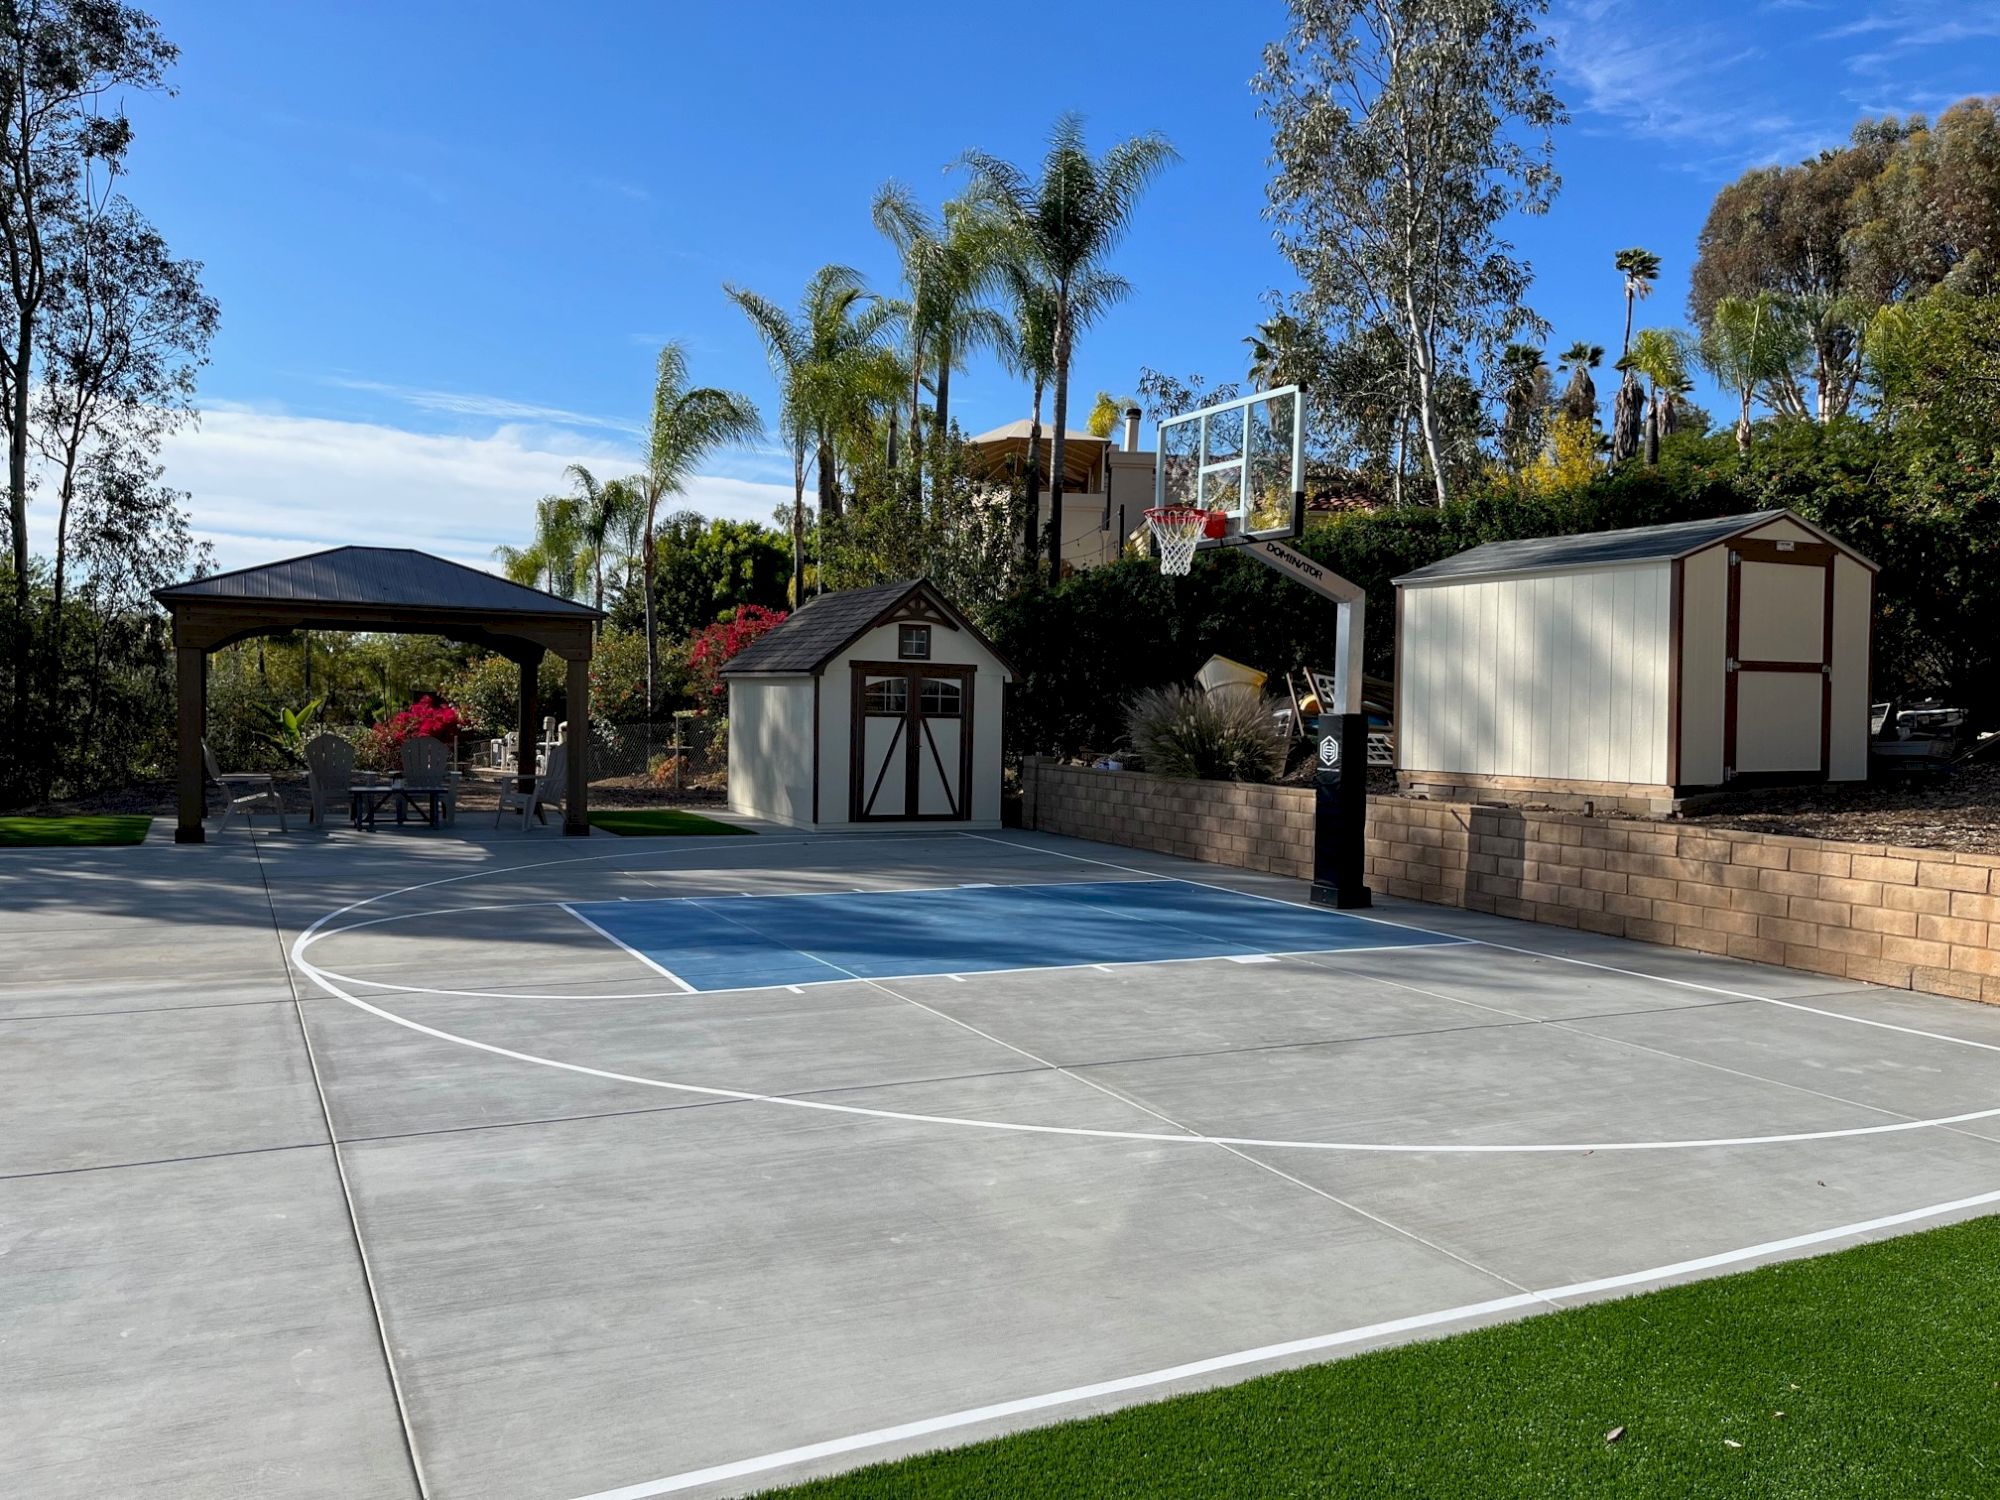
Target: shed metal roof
<point>1604,548</point>
<point>378,577</point>
<point>825,626</point>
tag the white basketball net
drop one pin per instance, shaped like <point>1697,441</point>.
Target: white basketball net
<point>1178,530</point>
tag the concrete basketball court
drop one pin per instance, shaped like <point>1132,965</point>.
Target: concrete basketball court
<point>486,1170</point>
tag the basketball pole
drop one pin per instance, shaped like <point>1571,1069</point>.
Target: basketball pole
<point>1340,781</point>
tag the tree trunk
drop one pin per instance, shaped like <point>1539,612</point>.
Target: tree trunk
<point>799,523</point>
<point>646,554</point>
<point>1625,344</point>
<point>1034,521</point>
<point>1061,417</point>
<point>941,418</point>
<point>52,667</point>
<point>829,481</point>
<point>1653,431</point>
<point>1420,360</point>
<point>916,414</point>
<point>17,508</point>
<point>890,456</point>
<point>1627,417</point>
<point>1743,428</point>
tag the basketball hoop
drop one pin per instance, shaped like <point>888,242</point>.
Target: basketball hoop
<point>1179,529</point>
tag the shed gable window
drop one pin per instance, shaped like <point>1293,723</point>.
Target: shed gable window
<point>913,642</point>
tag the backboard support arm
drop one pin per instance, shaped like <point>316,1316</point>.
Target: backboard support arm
<point>1351,602</point>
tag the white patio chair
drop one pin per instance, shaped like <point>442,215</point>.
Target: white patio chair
<point>548,790</point>
<point>243,791</point>
<point>427,764</point>
<point>329,774</point>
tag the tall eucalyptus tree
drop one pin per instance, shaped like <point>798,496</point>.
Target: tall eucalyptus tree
<point>1404,132</point>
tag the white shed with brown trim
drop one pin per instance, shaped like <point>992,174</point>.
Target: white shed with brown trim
<point>1632,667</point>
<point>872,708</point>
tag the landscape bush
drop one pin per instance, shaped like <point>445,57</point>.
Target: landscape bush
<point>1228,734</point>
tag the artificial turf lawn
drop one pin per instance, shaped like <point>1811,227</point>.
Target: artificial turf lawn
<point>1884,1360</point>
<point>653,822</point>
<point>105,828</point>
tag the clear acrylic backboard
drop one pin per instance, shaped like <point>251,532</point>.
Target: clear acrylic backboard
<point>1244,457</point>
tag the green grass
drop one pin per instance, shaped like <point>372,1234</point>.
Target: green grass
<point>1884,1360</point>
<point>657,822</point>
<point>76,832</point>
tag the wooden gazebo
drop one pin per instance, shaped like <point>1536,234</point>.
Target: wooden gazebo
<point>390,589</point>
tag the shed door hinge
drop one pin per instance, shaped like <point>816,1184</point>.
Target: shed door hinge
<point>1731,665</point>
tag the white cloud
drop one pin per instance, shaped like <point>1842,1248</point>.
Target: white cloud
<point>266,484</point>
<point>1681,86</point>
<point>471,404</point>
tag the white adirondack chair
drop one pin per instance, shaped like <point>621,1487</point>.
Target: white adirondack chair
<point>548,791</point>
<point>329,774</point>
<point>244,792</point>
<point>426,764</point>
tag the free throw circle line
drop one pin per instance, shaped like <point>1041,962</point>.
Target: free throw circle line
<point>325,982</point>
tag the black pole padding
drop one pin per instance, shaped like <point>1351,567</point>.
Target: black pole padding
<point>1340,812</point>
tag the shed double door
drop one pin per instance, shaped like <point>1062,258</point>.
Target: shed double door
<point>911,755</point>
<point>1778,699</point>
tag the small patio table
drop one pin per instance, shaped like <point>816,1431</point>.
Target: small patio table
<point>367,799</point>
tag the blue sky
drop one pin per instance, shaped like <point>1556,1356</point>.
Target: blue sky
<point>448,239</point>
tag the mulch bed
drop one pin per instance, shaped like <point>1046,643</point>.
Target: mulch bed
<point>1957,810</point>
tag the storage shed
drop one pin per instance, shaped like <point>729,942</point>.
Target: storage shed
<point>1632,667</point>
<point>868,708</point>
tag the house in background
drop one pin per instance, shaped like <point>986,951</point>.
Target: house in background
<point>1107,485</point>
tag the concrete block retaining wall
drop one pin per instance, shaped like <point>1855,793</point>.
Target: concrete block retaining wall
<point>1922,919</point>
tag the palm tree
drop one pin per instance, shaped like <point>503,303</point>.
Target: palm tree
<point>949,267</point>
<point>1640,268</point>
<point>1524,396</point>
<point>554,559</point>
<point>1660,355</point>
<point>1750,343</point>
<point>1030,352</point>
<point>827,358</point>
<point>1066,224</point>
<point>1579,398</point>
<point>604,512</point>
<point>687,424</point>
<point>1274,351</point>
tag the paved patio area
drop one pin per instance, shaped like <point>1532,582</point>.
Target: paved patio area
<point>360,1165</point>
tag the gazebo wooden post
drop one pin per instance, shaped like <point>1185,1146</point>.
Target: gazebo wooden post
<point>191,694</point>
<point>576,809</point>
<point>531,722</point>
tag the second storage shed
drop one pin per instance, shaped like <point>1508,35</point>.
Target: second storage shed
<point>1630,667</point>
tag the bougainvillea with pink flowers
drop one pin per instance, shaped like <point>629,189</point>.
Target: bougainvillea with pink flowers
<point>428,715</point>
<point>712,646</point>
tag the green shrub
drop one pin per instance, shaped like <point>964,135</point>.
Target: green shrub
<point>1229,734</point>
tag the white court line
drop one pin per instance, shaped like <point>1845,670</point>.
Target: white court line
<point>612,937</point>
<point>323,979</point>
<point>1561,958</point>
<point>1195,1369</point>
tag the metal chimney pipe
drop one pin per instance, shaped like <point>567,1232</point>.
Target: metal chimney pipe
<point>1132,415</point>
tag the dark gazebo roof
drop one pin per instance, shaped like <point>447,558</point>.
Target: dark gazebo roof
<point>376,588</point>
